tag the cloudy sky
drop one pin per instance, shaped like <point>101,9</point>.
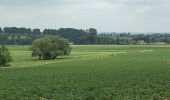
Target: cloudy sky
<point>104,15</point>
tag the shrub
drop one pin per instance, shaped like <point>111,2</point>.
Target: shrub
<point>4,56</point>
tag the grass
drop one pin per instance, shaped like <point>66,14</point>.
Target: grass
<point>96,72</point>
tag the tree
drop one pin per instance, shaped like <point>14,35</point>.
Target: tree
<point>49,47</point>
<point>117,39</point>
<point>4,56</point>
<point>92,31</point>
<point>1,30</point>
<point>91,35</point>
<point>36,32</point>
<point>3,38</point>
<point>50,31</point>
<point>10,30</point>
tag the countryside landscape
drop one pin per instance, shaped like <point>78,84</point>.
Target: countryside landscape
<point>84,50</point>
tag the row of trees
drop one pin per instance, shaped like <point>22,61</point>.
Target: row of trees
<point>77,36</point>
<point>25,36</point>
<point>15,30</point>
<point>128,39</point>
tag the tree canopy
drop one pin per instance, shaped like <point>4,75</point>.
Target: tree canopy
<point>49,47</point>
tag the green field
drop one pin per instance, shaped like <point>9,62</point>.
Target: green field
<point>94,72</point>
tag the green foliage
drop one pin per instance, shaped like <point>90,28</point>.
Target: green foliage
<point>4,56</point>
<point>49,47</point>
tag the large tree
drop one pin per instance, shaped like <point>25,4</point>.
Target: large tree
<point>49,47</point>
<point>91,36</point>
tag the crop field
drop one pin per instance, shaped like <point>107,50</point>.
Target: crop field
<point>91,72</point>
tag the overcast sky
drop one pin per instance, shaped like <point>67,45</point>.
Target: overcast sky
<point>104,15</point>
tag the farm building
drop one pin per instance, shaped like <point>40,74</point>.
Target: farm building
<point>141,42</point>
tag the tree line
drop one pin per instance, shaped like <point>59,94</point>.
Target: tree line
<point>132,39</point>
<point>25,36</point>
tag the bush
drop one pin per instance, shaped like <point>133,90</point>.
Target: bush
<point>4,56</point>
<point>49,47</point>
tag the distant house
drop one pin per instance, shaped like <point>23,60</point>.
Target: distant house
<point>71,43</point>
<point>141,42</point>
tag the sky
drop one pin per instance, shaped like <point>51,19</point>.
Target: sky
<point>104,15</point>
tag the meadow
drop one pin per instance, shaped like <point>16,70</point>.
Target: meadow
<point>91,72</point>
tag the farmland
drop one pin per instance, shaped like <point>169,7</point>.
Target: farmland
<point>101,72</point>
